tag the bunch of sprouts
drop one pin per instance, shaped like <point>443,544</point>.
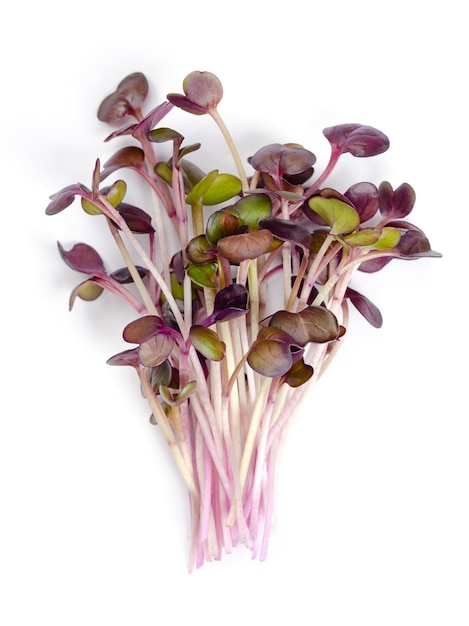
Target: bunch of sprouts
<point>234,325</point>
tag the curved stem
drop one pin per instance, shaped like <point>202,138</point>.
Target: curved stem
<point>111,212</point>
<point>325,174</point>
<point>232,146</point>
<point>150,305</point>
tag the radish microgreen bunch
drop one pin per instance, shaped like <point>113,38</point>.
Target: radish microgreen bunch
<point>240,286</point>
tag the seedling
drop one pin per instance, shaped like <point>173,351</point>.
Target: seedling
<point>241,287</point>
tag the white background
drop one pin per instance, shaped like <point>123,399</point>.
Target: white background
<point>372,514</point>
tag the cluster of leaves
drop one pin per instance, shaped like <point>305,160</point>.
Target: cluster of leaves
<point>219,353</point>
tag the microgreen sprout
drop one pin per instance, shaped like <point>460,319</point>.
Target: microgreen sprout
<point>236,314</point>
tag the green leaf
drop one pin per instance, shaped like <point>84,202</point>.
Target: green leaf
<point>366,237</point>
<point>222,223</point>
<point>191,172</point>
<point>253,208</point>
<point>340,216</point>
<point>117,192</point>
<point>177,398</point>
<point>177,288</point>
<point>163,170</point>
<point>390,237</point>
<point>87,291</point>
<point>187,150</point>
<point>298,374</point>
<point>160,135</point>
<point>200,189</point>
<point>161,375</point>
<point>224,187</point>
<point>206,341</point>
<point>90,207</point>
<point>203,275</point>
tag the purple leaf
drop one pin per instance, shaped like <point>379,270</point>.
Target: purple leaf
<point>123,275</point>
<point>136,219</point>
<point>64,198</point>
<point>127,99</point>
<point>359,140</point>
<point>234,296</point>
<point>131,156</point>
<point>364,197</point>
<point>143,128</point>
<point>274,352</point>
<point>313,324</point>
<point>287,231</point>
<point>278,160</point>
<point>238,248</point>
<point>82,258</point>
<point>414,244</point>
<point>127,357</point>
<point>371,266</point>
<point>183,102</point>
<point>396,204</point>
<point>155,350</point>
<point>364,306</point>
<point>143,328</point>
<point>230,302</point>
<point>121,132</point>
<point>177,265</point>
<point>203,91</point>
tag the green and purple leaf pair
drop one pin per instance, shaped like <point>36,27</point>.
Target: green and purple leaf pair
<point>230,302</point>
<point>340,216</point>
<point>412,242</point>
<point>84,259</point>
<point>214,188</point>
<point>245,214</point>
